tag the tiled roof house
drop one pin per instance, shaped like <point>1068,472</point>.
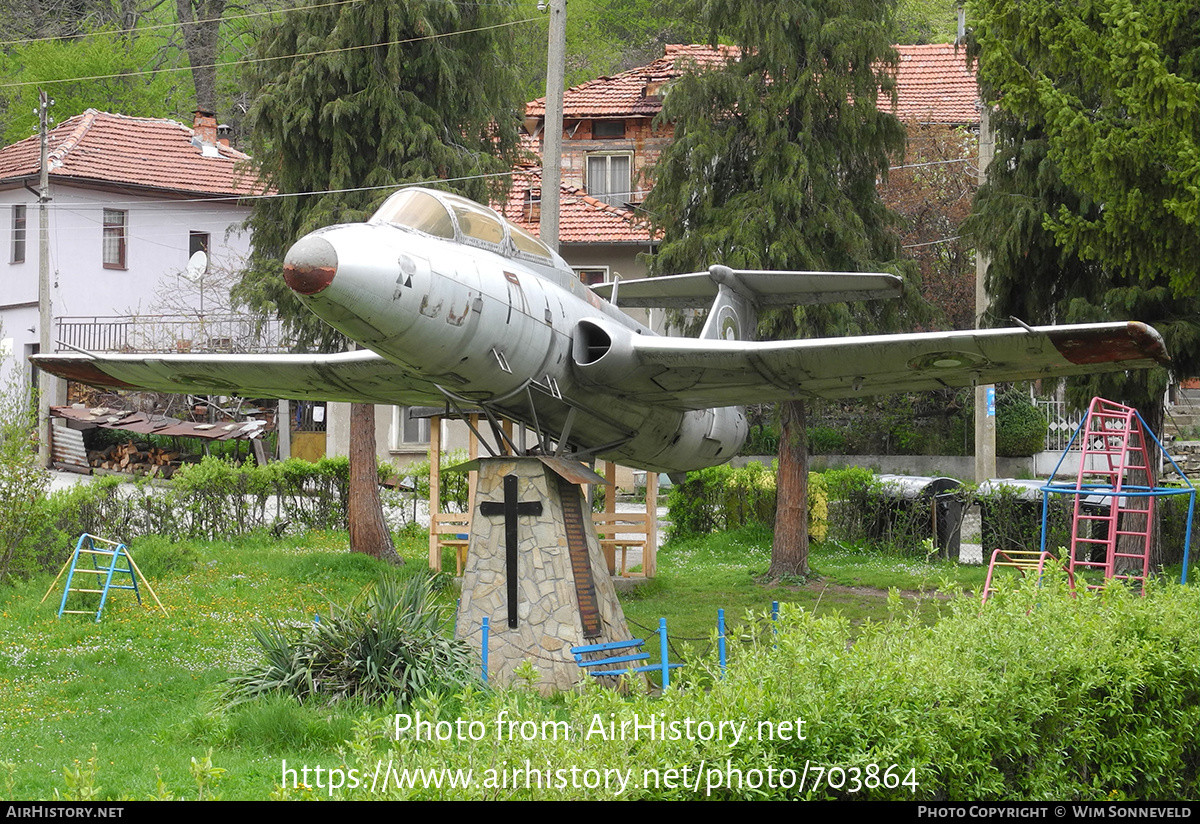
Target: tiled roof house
<point>610,144</point>
<point>131,200</point>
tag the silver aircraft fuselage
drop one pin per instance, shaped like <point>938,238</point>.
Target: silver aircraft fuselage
<point>487,324</point>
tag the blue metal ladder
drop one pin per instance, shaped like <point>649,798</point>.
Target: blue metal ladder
<point>99,556</point>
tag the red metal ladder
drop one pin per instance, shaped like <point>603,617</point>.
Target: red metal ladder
<point>1114,446</point>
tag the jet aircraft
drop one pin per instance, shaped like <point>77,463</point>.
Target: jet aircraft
<point>455,306</point>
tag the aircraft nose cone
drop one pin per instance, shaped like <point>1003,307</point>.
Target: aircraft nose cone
<point>310,265</point>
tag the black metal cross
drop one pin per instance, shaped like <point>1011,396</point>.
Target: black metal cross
<point>510,509</point>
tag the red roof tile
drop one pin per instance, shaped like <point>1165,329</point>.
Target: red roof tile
<point>98,147</point>
<point>637,91</point>
<point>582,219</point>
<point>933,83</point>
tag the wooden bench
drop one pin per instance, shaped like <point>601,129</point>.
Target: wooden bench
<point>451,530</point>
<point>620,532</point>
<point>623,655</point>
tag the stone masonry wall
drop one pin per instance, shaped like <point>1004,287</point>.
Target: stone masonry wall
<point>549,623</point>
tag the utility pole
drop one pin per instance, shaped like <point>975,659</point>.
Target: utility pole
<point>985,396</point>
<point>46,381</point>
<point>556,59</point>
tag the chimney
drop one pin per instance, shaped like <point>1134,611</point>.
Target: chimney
<point>204,128</point>
<point>223,132</point>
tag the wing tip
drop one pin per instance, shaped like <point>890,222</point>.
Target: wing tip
<point>79,368</point>
<point>1110,343</point>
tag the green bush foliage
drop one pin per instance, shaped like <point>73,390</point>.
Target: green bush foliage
<point>22,481</point>
<point>825,440</point>
<point>1039,695</point>
<point>1010,522</point>
<point>1020,426</point>
<point>212,499</point>
<point>453,488</point>
<point>721,498</point>
<point>388,644</point>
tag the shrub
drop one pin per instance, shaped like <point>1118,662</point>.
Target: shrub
<point>453,488</point>
<point>212,499</point>
<point>1039,695</point>
<point>389,644</point>
<point>22,481</point>
<point>825,440</point>
<point>1020,426</point>
<point>722,498</point>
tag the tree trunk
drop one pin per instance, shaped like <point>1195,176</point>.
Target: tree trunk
<point>789,550</point>
<point>200,39</point>
<point>368,531</point>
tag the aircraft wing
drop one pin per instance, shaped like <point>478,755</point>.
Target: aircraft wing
<point>697,374</point>
<point>359,376</point>
<point>764,288</point>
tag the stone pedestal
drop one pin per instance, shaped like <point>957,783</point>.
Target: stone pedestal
<point>564,594</point>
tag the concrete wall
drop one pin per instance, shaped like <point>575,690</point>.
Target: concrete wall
<point>952,466</point>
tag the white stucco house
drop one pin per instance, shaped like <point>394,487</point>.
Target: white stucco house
<point>131,200</point>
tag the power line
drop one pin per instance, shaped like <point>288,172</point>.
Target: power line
<point>931,242</point>
<point>931,163</point>
<point>251,60</point>
<point>223,19</point>
<point>270,195</point>
<point>156,26</point>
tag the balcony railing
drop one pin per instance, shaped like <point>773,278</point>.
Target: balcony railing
<point>169,333</point>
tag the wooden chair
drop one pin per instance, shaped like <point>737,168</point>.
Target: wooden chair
<point>620,532</point>
<point>452,530</point>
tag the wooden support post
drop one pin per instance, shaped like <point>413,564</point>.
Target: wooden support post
<point>649,563</point>
<point>610,493</point>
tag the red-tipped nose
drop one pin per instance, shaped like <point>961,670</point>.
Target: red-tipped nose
<point>310,265</point>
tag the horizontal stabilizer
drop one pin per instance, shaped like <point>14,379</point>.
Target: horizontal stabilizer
<point>697,290</point>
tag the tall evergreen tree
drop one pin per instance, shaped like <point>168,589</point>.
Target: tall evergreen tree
<point>1085,215</point>
<point>1114,88</point>
<point>774,165</point>
<point>349,101</point>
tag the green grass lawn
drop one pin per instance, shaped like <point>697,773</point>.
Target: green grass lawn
<point>142,687</point>
<point>138,684</point>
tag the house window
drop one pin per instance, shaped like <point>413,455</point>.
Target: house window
<point>408,431</point>
<point>197,242</point>
<point>608,128</point>
<point>592,275</point>
<point>532,207</point>
<point>18,234</point>
<point>114,239</point>
<point>608,178</point>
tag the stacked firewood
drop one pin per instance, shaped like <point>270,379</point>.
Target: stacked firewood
<point>139,459</point>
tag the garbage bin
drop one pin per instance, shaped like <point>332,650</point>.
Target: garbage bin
<point>922,506</point>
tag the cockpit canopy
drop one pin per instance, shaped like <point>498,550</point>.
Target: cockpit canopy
<point>456,218</point>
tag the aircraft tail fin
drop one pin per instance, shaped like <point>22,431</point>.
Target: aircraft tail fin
<point>734,312</point>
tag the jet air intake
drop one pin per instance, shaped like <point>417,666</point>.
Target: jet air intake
<point>601,352</point>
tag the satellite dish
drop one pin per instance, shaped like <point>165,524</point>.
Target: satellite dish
<point>197,265</point>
